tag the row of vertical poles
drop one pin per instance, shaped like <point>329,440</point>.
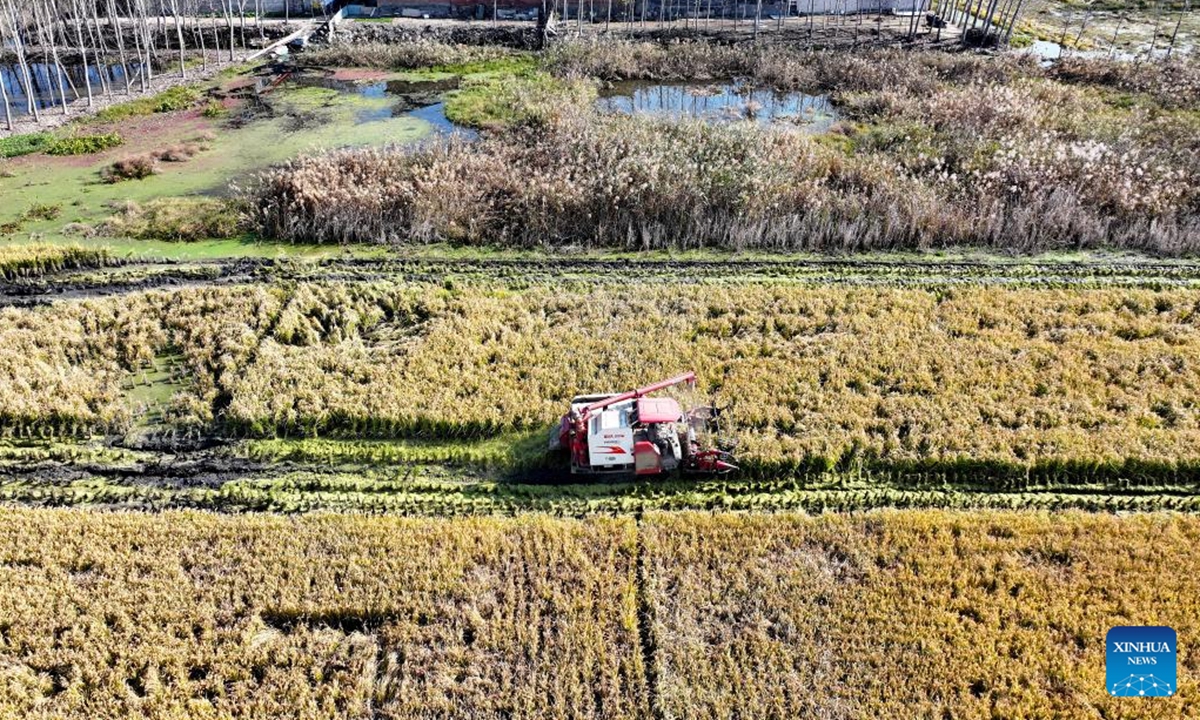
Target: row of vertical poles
<point>848,16</point>
<point>95,37</point>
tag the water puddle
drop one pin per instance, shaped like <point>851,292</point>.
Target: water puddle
<point>719,102</point>
<point>149,391</point>
<point>44,79</point>
<point>1048,53</point>
<point>391,99</point>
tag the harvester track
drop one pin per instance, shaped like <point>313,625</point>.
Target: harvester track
<point>137,276</point>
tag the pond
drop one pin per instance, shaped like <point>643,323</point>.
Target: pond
<point>44,79</point>
<point>719,102</point>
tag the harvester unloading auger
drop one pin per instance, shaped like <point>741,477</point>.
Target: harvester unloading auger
<point>632,434</point>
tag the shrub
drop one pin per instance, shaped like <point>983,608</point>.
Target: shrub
<point>16,145</point>
<point>83,144</point>
<point>179,153</point>
<point>40,211</point>
<point>179,97</point>
<point>138,167</point>
<point>37,211</point>
<point>214,109</point>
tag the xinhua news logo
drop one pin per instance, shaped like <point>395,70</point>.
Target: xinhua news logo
<point>1140,661</point>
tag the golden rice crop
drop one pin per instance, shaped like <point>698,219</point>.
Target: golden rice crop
<point>912,614</point>
<point>827,375</point>
<point>62,367</point>
<point>813,377</point>
<point>882,614</point>
<point>195,615</point>
<point>25,260</point>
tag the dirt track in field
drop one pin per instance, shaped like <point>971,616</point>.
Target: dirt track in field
<point>140,276</point>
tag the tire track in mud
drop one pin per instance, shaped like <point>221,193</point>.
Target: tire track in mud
<point>82,285</point>
<point>75,284</point>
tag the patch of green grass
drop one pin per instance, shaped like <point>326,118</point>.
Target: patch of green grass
<point>527,98</point>
<point>149,390</point>
<point>177,98</point>
<point>214,109</point>
<point>519,451</point>
<point>234,71</point>
<point>234,153</point>
<point>186,219</point>
<point>83,144</point>
<point>17,145</point>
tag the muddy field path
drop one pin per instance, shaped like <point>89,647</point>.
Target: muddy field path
<point>141,275</point>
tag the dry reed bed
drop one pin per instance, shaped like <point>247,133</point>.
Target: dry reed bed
<point>892,614</point>
<point>814,378</point>
<point>412,55</point>
<point>936,150</point>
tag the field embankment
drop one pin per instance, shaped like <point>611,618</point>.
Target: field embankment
<point>686,616</point>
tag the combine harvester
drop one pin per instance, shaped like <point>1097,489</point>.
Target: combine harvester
<point>632,434</point>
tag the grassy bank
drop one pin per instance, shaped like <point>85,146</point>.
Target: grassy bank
<point>165,182</point>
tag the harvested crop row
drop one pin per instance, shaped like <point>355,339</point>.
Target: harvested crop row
<point>457,491</point>
<point>192,615</point>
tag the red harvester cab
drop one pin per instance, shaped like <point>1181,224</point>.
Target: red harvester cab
<point>632,434</point>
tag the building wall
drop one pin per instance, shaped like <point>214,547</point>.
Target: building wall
<point>856,6</point>
<point>440,8</point>
<point>271,7</point>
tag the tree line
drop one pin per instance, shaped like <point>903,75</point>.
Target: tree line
<point>143,38</point>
